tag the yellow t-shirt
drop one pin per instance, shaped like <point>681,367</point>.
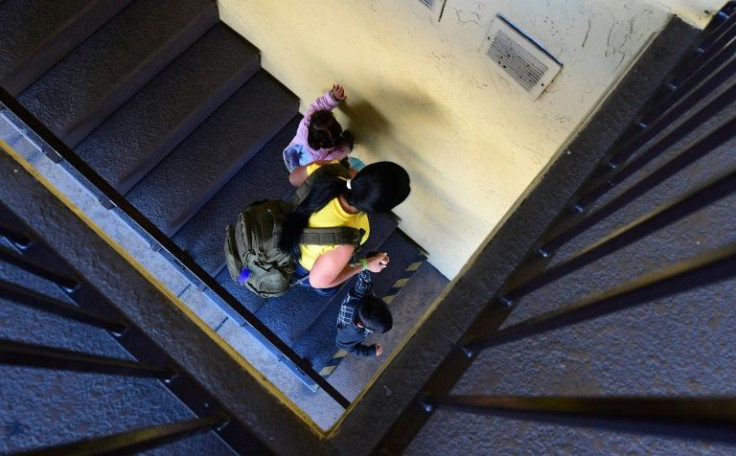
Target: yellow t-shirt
<point>331,215</point>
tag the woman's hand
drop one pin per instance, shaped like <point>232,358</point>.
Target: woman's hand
<point>338,92</point>
<point>378,262</point>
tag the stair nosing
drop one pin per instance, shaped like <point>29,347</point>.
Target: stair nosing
<point>81,127</point>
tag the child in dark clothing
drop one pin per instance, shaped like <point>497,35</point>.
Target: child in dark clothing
<point>362,313</point>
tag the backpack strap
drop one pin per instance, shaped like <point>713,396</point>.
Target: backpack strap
<point>326,236</point>
<point>333,169</point>
<point>333,236</point>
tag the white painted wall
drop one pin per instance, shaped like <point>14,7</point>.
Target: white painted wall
<point>421,93</point>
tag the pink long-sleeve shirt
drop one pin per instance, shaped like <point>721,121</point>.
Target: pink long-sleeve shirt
<point>301,145</point>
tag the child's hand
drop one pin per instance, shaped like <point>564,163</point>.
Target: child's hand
<point>338,92</point>
<point>379,350</point>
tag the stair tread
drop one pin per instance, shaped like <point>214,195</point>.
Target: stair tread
<point>38,33</point>
<point>419,291</point>
<point>110,66</point>
<point>317,342</point>
<point>265,177</point>
<point>170,194</point>
<point>39,19</point>
<point>134,139</point>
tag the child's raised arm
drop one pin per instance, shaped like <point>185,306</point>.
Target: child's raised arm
<point>328,101</point>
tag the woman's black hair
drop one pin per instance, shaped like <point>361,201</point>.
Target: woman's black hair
<point>324,131</point>
<point>377,188</point>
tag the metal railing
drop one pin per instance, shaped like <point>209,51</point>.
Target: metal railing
<point>700,93</point>
<point>30,254</point>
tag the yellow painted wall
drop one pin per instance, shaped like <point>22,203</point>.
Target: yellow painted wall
<point>421,93</point>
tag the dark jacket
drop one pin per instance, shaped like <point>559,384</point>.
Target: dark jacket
<point>350,335</point>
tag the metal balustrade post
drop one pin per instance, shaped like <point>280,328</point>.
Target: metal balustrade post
<point>686,275</point>
<point>715,139</point>
<point>137,440</point>
<point>659,120</point>
<point>713,52</point>
<point>712,418</point>
<point>64,281</point>
<point>19,239</point>
<point>29,355</point>
<point>647,224</point>
<point>45,303</point>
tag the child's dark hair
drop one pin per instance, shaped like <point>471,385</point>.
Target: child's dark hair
<point>324,131</point>
<point>375,314</point>
<point>377,188</point>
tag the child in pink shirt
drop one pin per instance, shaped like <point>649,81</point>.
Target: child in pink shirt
<point>319,135</point>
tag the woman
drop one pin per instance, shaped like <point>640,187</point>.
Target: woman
<point>335,201</point>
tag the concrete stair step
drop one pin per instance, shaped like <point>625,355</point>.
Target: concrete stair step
<point>316,342</point>
<point>108,68</point>
<point>197,169</point>
<point>140,134</point>
<point>39,33</point>
<point>265,177</point>
<point>409,299</point>
<point>249,300</point>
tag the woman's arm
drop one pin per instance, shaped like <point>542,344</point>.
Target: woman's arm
<point>333,268</point>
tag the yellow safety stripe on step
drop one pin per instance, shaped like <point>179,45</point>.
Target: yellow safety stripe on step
<point>395,289</point>
<point>333,363</point>
<point>402,281</point>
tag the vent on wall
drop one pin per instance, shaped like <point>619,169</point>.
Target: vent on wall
<point>520,57</point>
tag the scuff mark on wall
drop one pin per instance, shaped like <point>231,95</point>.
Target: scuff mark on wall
<point>587,33</point>
<point>474,17</point>
<point>442,10</point>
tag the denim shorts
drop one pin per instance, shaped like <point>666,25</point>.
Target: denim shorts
<point>301,278</point>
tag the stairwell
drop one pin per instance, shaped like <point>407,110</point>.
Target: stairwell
<point>675,346</point>
<point>164,107</point>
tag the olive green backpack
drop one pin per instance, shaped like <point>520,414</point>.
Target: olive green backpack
<point>253,257</point>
